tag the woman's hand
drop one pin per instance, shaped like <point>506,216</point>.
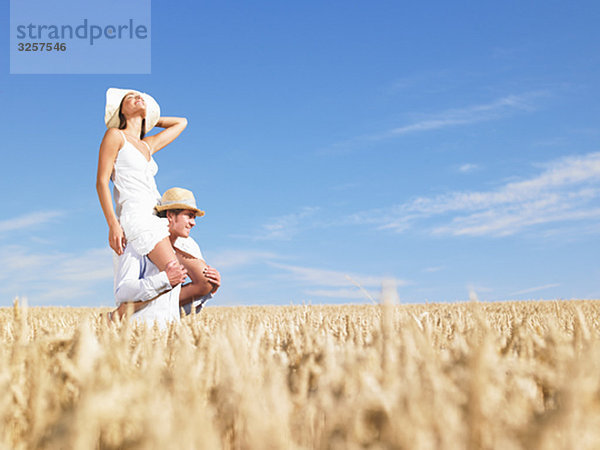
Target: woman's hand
<point>176,273</point>
<point>173,126</point>
<point>116,239</point>
<point>213,276</point>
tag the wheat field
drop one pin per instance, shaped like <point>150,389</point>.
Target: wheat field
<point>513,375</point>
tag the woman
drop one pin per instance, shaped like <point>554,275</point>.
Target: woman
<point>126,159</point>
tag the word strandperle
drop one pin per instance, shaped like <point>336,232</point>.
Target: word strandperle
<point>83,31</point>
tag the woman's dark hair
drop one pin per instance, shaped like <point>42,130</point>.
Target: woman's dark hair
<point>123,120</point>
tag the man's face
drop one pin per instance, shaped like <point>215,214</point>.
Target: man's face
<point>181,224</point>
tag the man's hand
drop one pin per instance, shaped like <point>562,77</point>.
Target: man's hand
<point>176,273</point>
<point>213,276</point>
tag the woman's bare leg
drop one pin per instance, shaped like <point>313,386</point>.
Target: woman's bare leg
<point>162,254</point>
<point>200,286</point>
<point>126,309</point>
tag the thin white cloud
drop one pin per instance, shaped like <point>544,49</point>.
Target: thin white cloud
<point>286,226</point>
<point>57,278</point>
<point>568,189</point>
<point>493,110</point>
<point>433,269</point>
<point>335,283</point>
<point>64,294</point>
<point>324,277</point>
<point>535,289</point>
<point>470,114</point>
<point>345,186</point>
<point>400,85</point>
<point>428,82</point>
<point>28,220</point>
<point>231,259</point>
<point>467,168</point>
<point>355,294</point>
<point>506,223</point>
<point>90,266</point>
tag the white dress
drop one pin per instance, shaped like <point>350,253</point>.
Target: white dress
<point>136,195</point>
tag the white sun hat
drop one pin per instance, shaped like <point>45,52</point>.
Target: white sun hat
<point>178,198</point>
<point>114,96</point>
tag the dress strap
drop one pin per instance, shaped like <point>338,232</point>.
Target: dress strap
<point>149,149</point>
<point>123,136</point>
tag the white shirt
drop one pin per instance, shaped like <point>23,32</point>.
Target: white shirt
<point>138,279</point>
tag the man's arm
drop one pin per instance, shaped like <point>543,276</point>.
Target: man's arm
<point>199,286</point>
<point>196,303</point>
<point>133,285</point>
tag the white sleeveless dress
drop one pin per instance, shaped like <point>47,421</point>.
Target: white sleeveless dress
<point>136,195</point>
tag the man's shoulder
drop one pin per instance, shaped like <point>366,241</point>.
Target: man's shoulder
<point>189,246</point>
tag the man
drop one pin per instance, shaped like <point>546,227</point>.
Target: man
<point>155,296</point>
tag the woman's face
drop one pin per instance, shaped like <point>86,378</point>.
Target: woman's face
<point>133,104</point>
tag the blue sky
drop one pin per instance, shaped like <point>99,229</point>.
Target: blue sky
<point>449,146</point>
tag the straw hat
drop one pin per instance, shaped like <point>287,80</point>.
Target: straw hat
<point>178,198</point>
<point>114,96</point>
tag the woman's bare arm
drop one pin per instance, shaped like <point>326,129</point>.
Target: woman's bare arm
<point>109,148</point>
<point>173,126</point>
